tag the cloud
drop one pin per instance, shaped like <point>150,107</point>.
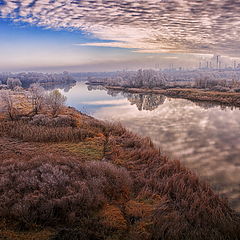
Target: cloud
<point>144,25</point>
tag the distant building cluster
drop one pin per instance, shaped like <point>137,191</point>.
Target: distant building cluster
<point>218,62</point>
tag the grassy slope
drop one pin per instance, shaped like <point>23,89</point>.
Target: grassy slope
<point>166,201</point>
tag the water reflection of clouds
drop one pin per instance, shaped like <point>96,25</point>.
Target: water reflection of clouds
<point>113,102</point>
<point>88,101</point>
<point>204,136</point>
<point>206,140</point>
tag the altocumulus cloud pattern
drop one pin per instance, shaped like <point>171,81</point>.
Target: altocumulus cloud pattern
<point>147,26</point>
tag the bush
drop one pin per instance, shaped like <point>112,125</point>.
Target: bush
<point>46,190</point>
<point>237,90</point>
<point>59,121</point>
<point>55,100</point>
<point>220,88</point>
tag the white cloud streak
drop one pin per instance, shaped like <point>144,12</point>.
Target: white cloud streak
<point>145,25</point>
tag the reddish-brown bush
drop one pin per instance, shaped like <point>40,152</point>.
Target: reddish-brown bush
<point>51,191</point>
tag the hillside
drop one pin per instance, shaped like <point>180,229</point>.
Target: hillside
<point>96,180</point>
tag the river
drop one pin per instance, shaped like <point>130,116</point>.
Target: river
<point>204,136</point>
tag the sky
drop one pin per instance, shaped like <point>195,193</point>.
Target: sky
<point>107,35</point>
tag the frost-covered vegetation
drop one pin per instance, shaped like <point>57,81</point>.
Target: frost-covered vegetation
<point>52,191</point>
<point>65,175</point>
<point>132,191</point>
<point>34,97</point>
<point>28,78</point>
<point>219,80</point>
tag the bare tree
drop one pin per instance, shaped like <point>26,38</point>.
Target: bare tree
<point>13,82</point>
<point>8,104</point>
<point>37,97</point>
<point>56,101</point>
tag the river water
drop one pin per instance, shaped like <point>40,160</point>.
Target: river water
<point>204,136</point>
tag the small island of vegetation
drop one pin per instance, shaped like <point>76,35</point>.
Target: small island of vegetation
<point>210,85</point>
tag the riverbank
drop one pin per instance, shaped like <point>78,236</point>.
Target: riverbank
<point>100,181</point>
<point>226,98</point>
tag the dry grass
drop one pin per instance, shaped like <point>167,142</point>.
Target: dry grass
<point>13,233</point>
<point>34,133</point>
<point>91,149</point>
<point>187,208</point>
<point>112,217</point>
<point>97,199</point>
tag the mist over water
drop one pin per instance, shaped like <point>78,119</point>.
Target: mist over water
<point>204,136</point>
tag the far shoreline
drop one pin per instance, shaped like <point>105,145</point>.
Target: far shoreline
<point>226,98</point>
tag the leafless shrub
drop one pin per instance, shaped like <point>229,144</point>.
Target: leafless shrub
<point>55,101</point>
<point>59,121</point>
<point>220,88</point>
<point>9,105</point>
<point>46,190</point>
<point>64,120</point>
<point>236,90</point>
<point>37,97</point>
<point>13,82</point>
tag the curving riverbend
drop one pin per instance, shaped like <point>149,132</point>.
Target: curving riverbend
<point>203,135</point>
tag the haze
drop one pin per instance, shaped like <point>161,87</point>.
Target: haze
<point>106,35</point>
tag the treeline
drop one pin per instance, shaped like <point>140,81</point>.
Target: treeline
<point>218,80</point>
<point>33,77</point>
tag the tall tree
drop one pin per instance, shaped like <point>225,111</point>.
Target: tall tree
<point>13,82</point>
<point>56,101</point>
<point>37,97</point>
